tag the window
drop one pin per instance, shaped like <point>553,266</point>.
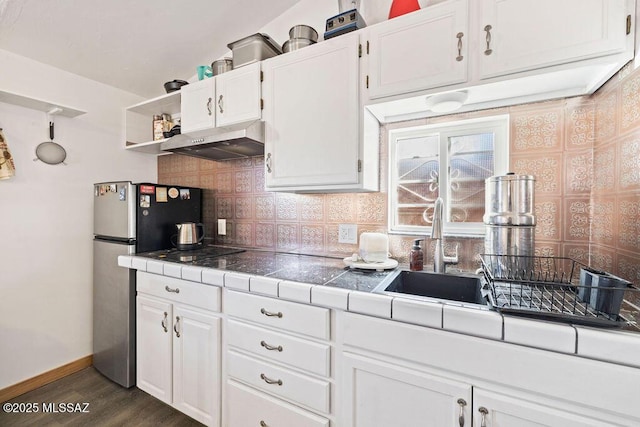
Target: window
<point>449,160</point>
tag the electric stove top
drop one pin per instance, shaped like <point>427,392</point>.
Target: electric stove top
<point>191,256</point>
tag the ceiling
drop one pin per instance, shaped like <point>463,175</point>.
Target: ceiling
<point>132,45</point>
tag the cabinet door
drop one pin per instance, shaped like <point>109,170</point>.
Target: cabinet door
<point>420,50</point>
<point>312,116</point>
<point>196,104</point>
<point>153,347</point>
<point>519,35</point>
<point>496,410</point>
<point>380,394</point>
<point>196,364</point>
<point>238,95</point>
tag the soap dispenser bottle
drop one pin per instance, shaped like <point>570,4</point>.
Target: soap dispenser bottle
<point>416,257</point>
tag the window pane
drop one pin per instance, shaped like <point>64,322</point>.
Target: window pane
<point>417,181</point>
<point>471,162</point>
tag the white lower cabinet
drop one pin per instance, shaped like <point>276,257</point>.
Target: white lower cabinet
<point>492,409</point>
<point>276,374</point>
<point>178,351</point>
<point>381,395</point>
<point>406,375</point>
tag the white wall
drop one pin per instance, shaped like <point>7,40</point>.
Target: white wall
<point>46,214</point>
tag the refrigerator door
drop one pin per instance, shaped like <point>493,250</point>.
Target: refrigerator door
<point>159,209</point>
<point>114,313</point>
<point>114,213</point>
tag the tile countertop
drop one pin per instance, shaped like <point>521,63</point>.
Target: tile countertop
<point>326,282</point>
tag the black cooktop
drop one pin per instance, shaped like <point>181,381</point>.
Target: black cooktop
<point>205,252</point>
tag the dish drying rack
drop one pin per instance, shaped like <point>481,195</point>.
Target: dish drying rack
<point>554,288</point>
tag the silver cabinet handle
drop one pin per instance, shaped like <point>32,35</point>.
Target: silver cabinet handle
<point>269,380</point>
<point>271,347</point>
<point>168,289</point>
<point>267,162</point>
<point>175,327</point>
<point>484,411</point>
<point>164,322</point>
<point>270,314</point>
<point>462,404</point>
<point>488,51</point>
<point>209,106</point>
<point>220,104</point>
<point>459,36</point>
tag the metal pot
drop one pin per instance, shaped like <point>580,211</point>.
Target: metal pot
<point>294,44</point>
<point>303,32</point>
<point>190,235</point>
<point>221,66</point>
<point>174,85</point>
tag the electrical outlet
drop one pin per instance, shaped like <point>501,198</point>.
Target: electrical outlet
<point>348,233</point>
<point>222,227</point>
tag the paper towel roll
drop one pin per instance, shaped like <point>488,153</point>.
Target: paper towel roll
<point>374,247</point>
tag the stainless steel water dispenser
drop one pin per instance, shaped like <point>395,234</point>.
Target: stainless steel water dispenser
<point>510,215</point>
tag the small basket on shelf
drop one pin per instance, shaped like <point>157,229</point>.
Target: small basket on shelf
<point>554,288</point>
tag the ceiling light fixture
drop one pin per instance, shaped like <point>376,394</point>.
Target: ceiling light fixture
<point>446,102</point>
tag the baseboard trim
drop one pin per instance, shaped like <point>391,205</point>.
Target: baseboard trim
<point>45,378</point>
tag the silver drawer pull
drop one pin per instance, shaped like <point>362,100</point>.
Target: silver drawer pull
<point>462,404</point>
<point>270,347</point>
<point>269,380</point>
<point>270,314</point>
<point>168,289</point>
<point>175,327</point>
<point>488,51</point>
<point>164,322</point>
<point>484,411</point>
<point>460,57</point>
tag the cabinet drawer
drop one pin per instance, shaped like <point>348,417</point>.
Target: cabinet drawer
<point>281,382</point>
<point>195,294</point>
<point>265,410</point>
<point>278,347</point>
<point>288,316</point>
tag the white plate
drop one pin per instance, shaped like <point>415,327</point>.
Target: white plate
<point>386,265</point>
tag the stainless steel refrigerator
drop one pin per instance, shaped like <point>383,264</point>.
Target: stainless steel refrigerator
<point>129,218</point>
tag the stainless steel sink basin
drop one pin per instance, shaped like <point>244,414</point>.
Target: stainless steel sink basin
<point>461,288</point>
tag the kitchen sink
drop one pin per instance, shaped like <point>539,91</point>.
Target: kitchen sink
<point>464,288</point>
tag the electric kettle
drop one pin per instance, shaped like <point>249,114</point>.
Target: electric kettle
<point>189,237</point>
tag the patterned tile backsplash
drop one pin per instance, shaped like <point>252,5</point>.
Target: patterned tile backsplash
<point>584,153</point>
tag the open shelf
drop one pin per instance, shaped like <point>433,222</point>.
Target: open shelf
<point>39,104</point>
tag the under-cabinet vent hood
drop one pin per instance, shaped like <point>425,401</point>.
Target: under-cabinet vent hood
<point>231,142</point>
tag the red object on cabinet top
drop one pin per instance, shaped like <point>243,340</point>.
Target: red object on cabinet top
<point>401,7</point>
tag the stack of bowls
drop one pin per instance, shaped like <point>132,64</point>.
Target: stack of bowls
<point>299,37</point>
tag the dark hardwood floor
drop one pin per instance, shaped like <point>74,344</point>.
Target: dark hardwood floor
<point>108,405</point>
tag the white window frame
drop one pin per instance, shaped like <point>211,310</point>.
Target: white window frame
<point>498,125</point>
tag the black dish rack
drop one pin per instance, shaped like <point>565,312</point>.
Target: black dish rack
<point>554,288</point>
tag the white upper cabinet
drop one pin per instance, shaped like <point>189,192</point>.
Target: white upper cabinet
<point>226,99</point>
<point>238,95</point>
<point>499,52</point>
<point>419,50</point>
<point>520,35</point>
<point>197,107</point>
<point>312,117</point>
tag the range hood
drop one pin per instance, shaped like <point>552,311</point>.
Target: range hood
<point>232,142</point>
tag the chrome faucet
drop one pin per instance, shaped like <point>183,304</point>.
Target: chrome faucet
<point>439,259</point>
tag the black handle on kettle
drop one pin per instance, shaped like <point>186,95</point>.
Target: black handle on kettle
<point>201,225</point>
